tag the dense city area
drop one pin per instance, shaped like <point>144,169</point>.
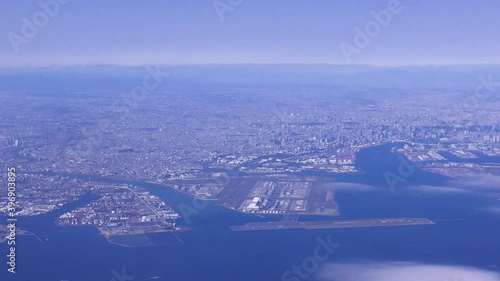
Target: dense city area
<point>177,137</point>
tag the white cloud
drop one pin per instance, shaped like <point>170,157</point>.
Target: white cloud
<point>349,186</point>
<point>481,185</point>
<point>493,210</point>
<point>403,271</point>
<point>439,189</point>
<point>486,182</point>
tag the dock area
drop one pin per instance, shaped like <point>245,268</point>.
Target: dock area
<point>287,225</point>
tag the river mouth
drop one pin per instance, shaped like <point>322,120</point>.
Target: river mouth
<point>210,237</point>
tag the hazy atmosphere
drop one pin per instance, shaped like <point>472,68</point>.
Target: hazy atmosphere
<point>250,140</point>
<point>402,32</point>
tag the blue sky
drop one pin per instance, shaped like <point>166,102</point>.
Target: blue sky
<point>129,32</point>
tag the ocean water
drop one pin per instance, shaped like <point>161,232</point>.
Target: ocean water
<point>211,251</point>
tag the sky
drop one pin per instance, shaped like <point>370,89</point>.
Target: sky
<point>367,32</point>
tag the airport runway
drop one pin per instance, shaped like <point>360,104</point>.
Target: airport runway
<point>284,225</point>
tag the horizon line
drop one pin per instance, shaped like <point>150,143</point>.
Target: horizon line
<point>249,64</point>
